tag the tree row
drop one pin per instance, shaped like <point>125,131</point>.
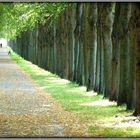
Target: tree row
<point>92,44</point>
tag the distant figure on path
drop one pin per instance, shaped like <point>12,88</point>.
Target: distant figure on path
<point>9,52</point>
<point>0,45</point>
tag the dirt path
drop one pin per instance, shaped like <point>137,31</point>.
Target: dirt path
<point>27,111</point>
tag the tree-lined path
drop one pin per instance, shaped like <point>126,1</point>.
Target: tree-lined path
<point>75,69</point>
<point>25,110</point>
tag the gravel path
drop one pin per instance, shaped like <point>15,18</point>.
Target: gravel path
<point>25,110</point>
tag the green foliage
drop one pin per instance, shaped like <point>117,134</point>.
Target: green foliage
<point>19,17</point>
<point>114,5</point>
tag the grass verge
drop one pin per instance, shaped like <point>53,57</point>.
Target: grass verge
<point>103,118</point>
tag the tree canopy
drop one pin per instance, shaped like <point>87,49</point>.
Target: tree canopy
<point>18,17</point>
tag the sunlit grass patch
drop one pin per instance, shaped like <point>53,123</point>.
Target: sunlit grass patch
<point>103,117</point>
<point>113,131</point>
<point>104,102</point>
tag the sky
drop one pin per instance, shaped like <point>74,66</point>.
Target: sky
<point>3,41</point>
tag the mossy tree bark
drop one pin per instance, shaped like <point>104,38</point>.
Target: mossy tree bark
<point>123,57</point>
<point>107,21</point>
<point>115,55</point>
<point>99,86</point>
<point>135,32</point>
<point>89,31</point>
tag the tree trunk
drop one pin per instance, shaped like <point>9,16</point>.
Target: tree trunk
<point>123,57</point>
<point>107,21</point>
<point>99,71</point>
<point>135,36</point>
<point>89,13</point>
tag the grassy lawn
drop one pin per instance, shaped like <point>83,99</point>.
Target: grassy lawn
<point>102,117</point>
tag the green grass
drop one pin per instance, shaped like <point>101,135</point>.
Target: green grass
<point>105,119</point>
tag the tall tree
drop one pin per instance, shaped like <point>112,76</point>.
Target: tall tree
<point>123,57</point>
<point>135,36</point>
<point>107,21</point>
<point>99,53</point>
<point>115,55</point>
<point>92,31</point>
